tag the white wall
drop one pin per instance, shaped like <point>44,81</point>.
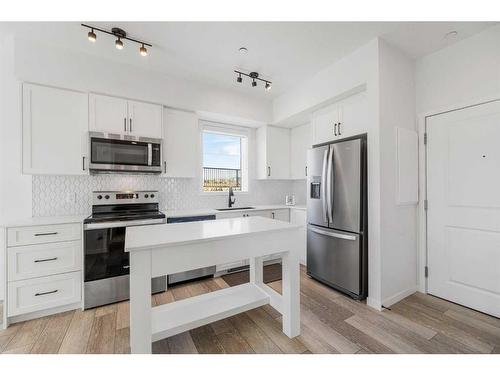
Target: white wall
<point>398,223</point>
<point>462,74</point>
<point>357,69</point>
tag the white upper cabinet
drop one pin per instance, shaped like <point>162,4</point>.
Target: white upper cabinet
<point>55,126</point>
<point>121,116</point>
<point>300,142</point>
<point>273,153</point>
<point>180,144</point>
<point>145,119</point>
<point>108,114</point>
<point>340,120</point>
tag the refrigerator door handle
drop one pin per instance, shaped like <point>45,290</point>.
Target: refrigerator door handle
<point>333,234</point>
<point>329,191</point>
<point>323,185</point>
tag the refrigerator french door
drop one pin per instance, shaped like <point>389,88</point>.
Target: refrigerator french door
<point>337,220</point>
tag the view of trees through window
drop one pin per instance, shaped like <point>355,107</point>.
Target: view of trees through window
<point>221,162</point>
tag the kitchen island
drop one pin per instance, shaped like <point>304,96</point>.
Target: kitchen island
<point>157,250</point>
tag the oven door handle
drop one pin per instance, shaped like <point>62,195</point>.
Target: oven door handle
<point>119,224</point>
<point>150,154</point>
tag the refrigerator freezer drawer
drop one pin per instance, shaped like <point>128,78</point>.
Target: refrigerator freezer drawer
<point>335,258</point>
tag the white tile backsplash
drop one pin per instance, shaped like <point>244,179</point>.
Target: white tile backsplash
<point>71,195</point>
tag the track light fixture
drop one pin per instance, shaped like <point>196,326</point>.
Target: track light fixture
<point>255,77</point>
<point>91,35</point>
<point>119,43</point>
<point>120,34</point>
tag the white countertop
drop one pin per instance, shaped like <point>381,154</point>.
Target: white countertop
<point>44,220</point>
<point>156,236</point>
<point>213,211</point>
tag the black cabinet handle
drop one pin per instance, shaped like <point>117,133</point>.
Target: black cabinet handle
<point>268,171</point>
<point>130,127</point>
<point>124,124</point>
<point>306,170</point>
<point>83,162</point>
<point>45,260</point>
<point>44,293</point>
<point>335,129</point>
<point>339,128</point>
<point>165,166</point>
<point>46,234</point>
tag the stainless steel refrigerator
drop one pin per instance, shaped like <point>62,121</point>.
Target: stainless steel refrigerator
<point>337,243</point>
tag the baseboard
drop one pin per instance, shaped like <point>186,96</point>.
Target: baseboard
<point>374,304</point>
<point>399,296</point>
<point>42,313</point>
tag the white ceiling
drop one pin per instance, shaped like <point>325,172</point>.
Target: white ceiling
<point>285,52</point>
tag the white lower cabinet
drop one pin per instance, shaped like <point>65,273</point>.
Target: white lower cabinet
<point>42,293</point>
<point>44,269</point>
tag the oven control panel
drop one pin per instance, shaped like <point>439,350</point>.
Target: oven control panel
<point>124,197</point>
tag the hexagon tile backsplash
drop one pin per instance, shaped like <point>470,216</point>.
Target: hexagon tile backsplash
<point>71,195</point>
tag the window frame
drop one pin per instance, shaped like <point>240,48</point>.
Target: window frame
<point>231,130</point>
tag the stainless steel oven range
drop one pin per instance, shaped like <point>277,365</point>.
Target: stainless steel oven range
<point>106,264</point>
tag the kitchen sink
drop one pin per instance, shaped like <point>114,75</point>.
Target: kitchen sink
<point>235,208</point>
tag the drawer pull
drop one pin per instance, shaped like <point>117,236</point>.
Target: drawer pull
<point>45,260</point>
<point>46,234</point>
<point>44,293</point>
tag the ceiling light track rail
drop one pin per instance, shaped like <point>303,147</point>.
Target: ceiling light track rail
<point>119,34</point>
<point>255,77</point>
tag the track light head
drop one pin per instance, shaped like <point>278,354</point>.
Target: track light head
<point>119,44</point>
<point>91,35</point>
<point>239,79</point>
<point>254,83</point>
<point>143,51</point>
<point>268,86</point>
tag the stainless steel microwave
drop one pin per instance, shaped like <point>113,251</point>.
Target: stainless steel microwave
<point>124,153</point>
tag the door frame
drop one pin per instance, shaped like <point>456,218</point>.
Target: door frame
<point>422,239</point>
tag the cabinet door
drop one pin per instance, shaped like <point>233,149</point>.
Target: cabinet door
<point>181,144</point>
<point>108,114</point>
<point>278,153</point>
<point>55,125</point>
<point>300,142</point>
<point>324,122</point>
<point>145,119</point>
<point>353,116</point>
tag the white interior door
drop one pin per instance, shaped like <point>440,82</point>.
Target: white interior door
<point>463,166</point>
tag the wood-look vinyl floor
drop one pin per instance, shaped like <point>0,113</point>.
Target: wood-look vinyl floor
<point>331,323</point>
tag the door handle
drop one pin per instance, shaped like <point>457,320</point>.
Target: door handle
<point>339,128</point>
<point>46,234</point>
<point>323,185</point>
<point>44,293</point>
<point>333,234</point>
<point>329,191</point>
<point>125,124</point>
<point>45,260</point>
<point>335,129</point>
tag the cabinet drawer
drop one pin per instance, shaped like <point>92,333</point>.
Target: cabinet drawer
<point>43,234</point>
<point>44,293</point>
<point>25,262</point>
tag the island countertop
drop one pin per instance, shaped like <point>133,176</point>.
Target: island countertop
<point>155,236</point>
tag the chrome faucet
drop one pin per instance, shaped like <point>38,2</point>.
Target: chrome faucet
<point>232,198</point>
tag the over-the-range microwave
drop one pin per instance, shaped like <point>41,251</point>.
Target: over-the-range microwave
<point>124,153</point>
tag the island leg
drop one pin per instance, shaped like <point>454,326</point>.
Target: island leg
<point>256,271</point>
<point>140,302</point>
<point>291,294</point>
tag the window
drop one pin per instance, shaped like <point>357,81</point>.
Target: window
<point>224,159</point>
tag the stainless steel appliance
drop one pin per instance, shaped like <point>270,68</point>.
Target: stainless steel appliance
<point>192,274</point>
<point>337,235</point>
<point>124,153</point>
<point>106,264</point>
